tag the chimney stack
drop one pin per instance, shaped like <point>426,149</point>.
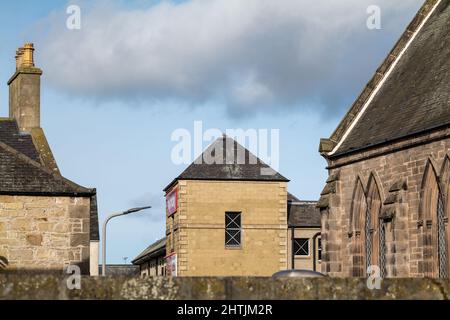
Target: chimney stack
<point>25,90</point>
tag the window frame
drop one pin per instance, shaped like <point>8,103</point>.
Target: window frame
<point>297,241</point>
<point>238,229</point>
<point>319,249</point>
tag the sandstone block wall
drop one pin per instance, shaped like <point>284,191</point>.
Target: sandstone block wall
<point>304,262</point>
<point>399,174</point>
<point>44,233</point>
<point>199,237</point>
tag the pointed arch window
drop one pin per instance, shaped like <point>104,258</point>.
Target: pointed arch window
<point>375,246</point>
<point>368,246</point>
<point>434,216</point>
<point>358,231</point>
<point>442,243</point>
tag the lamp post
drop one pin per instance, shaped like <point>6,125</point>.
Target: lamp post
<point>132,210</point>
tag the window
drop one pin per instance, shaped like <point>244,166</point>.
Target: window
<point>319,249</point>
<point>232,229</point>
<point>301,247</point>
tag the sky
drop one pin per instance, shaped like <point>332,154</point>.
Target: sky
<point>116,89</point>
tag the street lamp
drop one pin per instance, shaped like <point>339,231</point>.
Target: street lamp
<point>132,210</point>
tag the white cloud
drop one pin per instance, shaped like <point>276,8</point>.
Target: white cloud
<point>249,55</point>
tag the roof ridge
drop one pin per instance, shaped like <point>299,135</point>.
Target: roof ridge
<point>248,155</point>
<point>19,155</point>
<point>382,72</point>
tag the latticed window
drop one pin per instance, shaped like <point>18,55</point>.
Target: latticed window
<point>301,247</point>
<point>382,249</point>
<point>232,229</point>
<point>442,245</point>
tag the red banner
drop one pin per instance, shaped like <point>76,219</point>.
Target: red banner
<point>172,202</point>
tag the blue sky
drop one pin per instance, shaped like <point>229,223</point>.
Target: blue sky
<point>113,92</point>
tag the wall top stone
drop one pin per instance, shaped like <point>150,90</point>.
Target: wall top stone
<point>21,286</point>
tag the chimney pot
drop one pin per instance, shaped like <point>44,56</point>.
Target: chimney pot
<point>28,59</point>
<point>19,58</point>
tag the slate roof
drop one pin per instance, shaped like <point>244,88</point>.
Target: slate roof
<point>9,134</point>
<point>156,249</point>
<point>303,214</point>
<point>93,230</point>
<point>243,166</point>
<point>415,97</point>
<point>23,173</point>
<point>291,197</point>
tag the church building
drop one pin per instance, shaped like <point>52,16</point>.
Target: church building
<point>386,203</point>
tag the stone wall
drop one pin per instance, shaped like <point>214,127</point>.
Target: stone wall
<point>44,233</point>
<point>47,287</point>
<point>199,228</point>
<point>398,170</point>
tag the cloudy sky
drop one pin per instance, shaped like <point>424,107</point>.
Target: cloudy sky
<point>115,90</point>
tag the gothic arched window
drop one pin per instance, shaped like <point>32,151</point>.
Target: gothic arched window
<point>433,215</point>
<point>375,246</point>
<point>443,214</point>
<point>358,223</point>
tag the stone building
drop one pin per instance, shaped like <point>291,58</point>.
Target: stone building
<point>226,215</point>
<point>303,235</point>
<point>304,242</point>
<point>152,261</point>
<point>387,198</point>
<point>46,221</point>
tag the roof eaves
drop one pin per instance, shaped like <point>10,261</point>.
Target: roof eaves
<point>79,189</point>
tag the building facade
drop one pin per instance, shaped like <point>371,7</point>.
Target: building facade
<point>152,261</point>
<point>47,222</point>
<point>304,242</point>
<point>386,203</point>
<point>226,217</point>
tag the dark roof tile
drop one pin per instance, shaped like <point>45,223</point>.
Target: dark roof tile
<point>9,134</point>
<point>157,248</point>
<point>234,162</point>
<point>415,97</point>
<point>22,175</point>
<point>304,214</point>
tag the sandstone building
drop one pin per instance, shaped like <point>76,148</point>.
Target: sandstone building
<point>304,242</point>
<point>386,202</point>
<point>46,221</point>
<point>226,217</point>
<point>303,235</point>
<point>152,261</point>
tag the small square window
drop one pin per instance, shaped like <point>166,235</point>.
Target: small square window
<point>301,247</point>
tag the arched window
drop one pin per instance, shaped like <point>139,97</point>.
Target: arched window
<point>433,216</point>
<point>358,224</point>
<point>443,213</point>
<point>367,243</point>
<point>375,245</point>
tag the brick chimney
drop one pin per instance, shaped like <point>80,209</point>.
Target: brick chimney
<point>25,90</point>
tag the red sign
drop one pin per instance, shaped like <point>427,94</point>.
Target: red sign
<point>172,202</point>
